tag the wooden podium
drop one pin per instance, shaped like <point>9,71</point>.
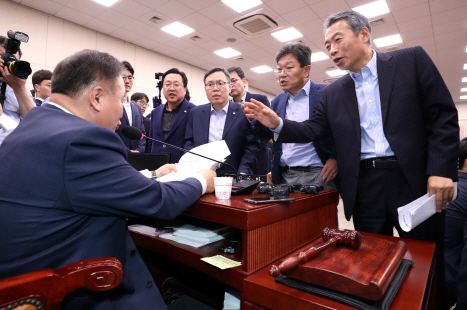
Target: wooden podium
<point>269,232</point>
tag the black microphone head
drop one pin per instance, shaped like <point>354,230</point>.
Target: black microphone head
<point>132,133</point>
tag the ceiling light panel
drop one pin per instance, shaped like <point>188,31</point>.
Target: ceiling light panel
<point>318,56</point>
<point>262,69</point>
<point>388,41</point>
<point>241,5</point>
<point>177,29</point>
<point>335,73</point>
<point>106,3</point>
<point>227,52</point>
<point>373,9</point>
<point>288,34</point>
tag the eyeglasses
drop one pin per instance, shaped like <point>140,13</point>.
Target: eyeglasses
<point>234,80</point>
<point>219,84</point>
<point>169,85</point>
<point>144,103</point>
<point>129,77</point>
<point>286,70</point>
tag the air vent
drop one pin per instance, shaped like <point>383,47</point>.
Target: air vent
<point>329,81</point>
<point>377,22</point>
<point>156,20</point>
<point>239,59</point>
<point>330,68</point>
<point>196,38</point>
<point>255,24</point>
<point>392,48</point>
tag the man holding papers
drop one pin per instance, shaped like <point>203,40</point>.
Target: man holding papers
<point>222,119</point>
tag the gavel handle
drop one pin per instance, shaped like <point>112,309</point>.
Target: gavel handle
<point>289,264</point>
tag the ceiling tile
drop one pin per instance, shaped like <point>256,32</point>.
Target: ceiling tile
<point>384,31</point>
<point>218,12</point>
<point>73,16</point>
<point>416,23</point>
<point>197,21</point>
<point>437,6</point>
<point>311,27</point>
<point>64,2</point>
<point>325,8</point>
<point>214,32</point>
<point>412,12</point>
<point>451,26</point>
<point>428,41</point>
<point>46,6</point>
<point>212,45</point>
<point>175,10</point>
<point>150,14</point>
<point>164,49</point>
<point>160,36</point>
<point>115,18</point>
<point>301,16</point>
<point>416,34</point>
<point>125,35</point>
<point>246,47</point>
<point>152,4</point>
<point>283,7</point>
<point>196,51</point>
<point>395,5</point>
<point>130,8</point>
<point>101,26</point>
<point>136,26</point>
<point>87,7</point>
<point>145,42</point>
<point>449,16</point>
<point>198,4</point>
<point>180,44</point>
<point>451,36</point>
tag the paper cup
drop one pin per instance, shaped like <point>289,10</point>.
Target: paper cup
<point>223,187</point>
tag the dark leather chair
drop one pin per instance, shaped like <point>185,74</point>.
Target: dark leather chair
<point>45,289</point>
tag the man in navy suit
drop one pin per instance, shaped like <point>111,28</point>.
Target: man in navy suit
<point>132,115</point>
<point>222,119</point>
<point>168,121</point>
<point>239,94</point>
<point>67,197</point>
<point>42,81</point>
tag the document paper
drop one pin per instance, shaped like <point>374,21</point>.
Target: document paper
<point>413,214</point>
<point>221,262</point>
<point>189,164</point>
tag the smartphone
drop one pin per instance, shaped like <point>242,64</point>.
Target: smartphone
<point>258,200</point>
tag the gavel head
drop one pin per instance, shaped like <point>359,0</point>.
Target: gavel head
<point>351,238</point>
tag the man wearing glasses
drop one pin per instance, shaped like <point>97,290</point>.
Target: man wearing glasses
<point>240,94</point>
<point>168,121</point>
<point>300,163</point>
<point>143,101</point>
<point>222,119</point>
<point>132,115</point>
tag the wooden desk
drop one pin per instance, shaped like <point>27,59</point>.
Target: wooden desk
<point>269,232</point>
<point>262,292</point>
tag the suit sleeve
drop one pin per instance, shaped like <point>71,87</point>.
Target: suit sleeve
<point>141,143</point>
<point>248,162</point>
<point>315,128</point>
<point>189,142</point>
<point>440,116</point>
<point>99,181</point>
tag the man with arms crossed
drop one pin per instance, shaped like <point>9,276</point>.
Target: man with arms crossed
<point>66,197</point>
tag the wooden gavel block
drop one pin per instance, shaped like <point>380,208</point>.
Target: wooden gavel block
<point>332,237</point>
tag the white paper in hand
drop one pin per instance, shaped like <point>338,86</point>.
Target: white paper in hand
<point>189,164</point>
<point>413,214</point>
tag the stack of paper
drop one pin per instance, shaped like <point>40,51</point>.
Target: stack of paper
<point>413,214</point>
<point>221,262</point>
<point>189,163</point>
<point>196,236</point>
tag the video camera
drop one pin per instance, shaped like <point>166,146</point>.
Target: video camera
<point>19,68</point>
<point>284,190</point>
<point>157,101</point>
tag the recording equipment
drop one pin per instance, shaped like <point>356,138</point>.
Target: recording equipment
<point>283,190</point>
<point>19,68</point>
<point>157,101</point>
<point>239,187</point>
<point>311,189</point>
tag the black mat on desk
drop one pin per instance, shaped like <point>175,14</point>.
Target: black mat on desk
<point>357,302</point>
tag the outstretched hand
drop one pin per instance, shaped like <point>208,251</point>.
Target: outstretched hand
<point>264,115</point>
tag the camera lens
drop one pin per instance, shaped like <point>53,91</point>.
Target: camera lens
<point>21,69</point>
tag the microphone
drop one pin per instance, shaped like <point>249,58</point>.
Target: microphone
<point>239,187</point>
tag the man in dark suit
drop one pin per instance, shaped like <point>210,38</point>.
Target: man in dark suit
<point>239,94</point>
<point>394,126</point>
<point>222,119</point>
<point>143,101</point>
<point>132,115</point>
<point>42,81</point>
<point>168,121</point>
<point>75,204</point>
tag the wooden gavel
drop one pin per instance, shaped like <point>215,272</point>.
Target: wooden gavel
<point>332,237</point>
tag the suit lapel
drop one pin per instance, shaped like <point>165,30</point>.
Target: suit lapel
<point>204,120</point>
<point>232,114</point>
<point>386,74</point>
<point>349,98</point>
<point>282,105</point>
<point>180,116</point>
<point>158,123</point>
<point>125,117</point>
<point>314,95</point>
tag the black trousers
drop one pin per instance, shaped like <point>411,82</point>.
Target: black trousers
<point>379,194</point>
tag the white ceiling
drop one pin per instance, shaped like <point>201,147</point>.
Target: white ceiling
<point>440,26</point>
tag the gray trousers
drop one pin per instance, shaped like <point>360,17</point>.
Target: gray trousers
<point>306,178</point>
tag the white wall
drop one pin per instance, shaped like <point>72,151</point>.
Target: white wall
<point>52,39</point>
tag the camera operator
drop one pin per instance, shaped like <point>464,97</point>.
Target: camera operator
<point>18,97</point>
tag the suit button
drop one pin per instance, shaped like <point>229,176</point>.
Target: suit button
<point>148,284</point>
<point>164,146</point>
<point>133,252</point>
